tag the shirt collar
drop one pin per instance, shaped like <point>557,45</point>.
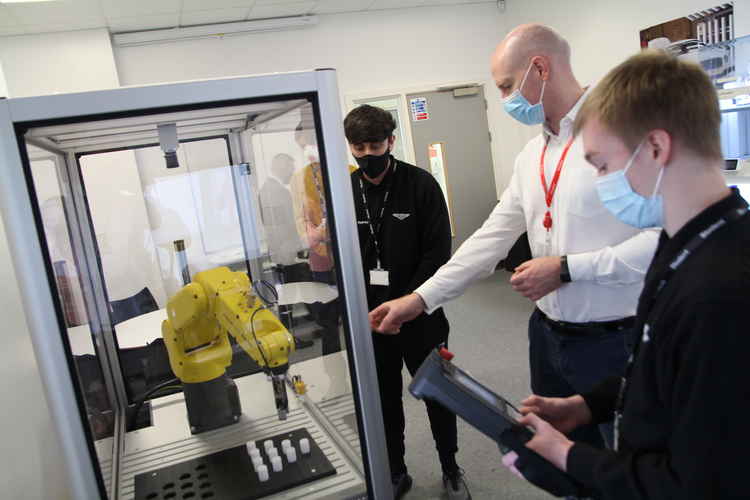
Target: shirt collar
<point>566,124</point>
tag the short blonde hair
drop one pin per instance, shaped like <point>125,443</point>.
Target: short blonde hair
<point>655,90</point>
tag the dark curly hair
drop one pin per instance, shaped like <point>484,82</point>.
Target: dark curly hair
<point>368,124</point>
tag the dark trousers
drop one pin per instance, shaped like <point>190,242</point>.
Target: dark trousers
<point>411,346</point>
<point>327,315</point>
<point>563,365</point>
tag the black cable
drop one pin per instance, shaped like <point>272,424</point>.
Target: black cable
<point>139,402</point>
<point>268,286</point>
<point>267,368</point>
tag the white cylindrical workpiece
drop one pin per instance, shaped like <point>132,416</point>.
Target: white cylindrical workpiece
<point>267,444</point>
<point>291,455</point>
<point>262,473</point>
<point>304,446</point>
<point>257,462</point>
<point>285,444</point>
<point>273,452</point>
<point>255,452</point>
<point>276,464</point>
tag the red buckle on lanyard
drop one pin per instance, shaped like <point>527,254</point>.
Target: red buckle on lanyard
<point>549,193</point>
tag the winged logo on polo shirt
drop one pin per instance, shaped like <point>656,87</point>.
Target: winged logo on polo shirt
<point>401,216</point>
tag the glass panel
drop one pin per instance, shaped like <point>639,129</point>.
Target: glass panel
<point>210,229</point>
<point>46,172</point>
<point>733,86</point>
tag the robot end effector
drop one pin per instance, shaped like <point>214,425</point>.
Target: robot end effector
<point>199,316</point>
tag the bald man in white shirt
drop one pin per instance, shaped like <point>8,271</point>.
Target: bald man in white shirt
<point>587,268</point>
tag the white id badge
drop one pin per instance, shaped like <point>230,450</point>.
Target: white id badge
<point>379,277</point>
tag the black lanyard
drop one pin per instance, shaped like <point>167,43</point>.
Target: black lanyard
<point>379,223</point>
<point>691,248</point>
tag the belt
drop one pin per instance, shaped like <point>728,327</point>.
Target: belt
<point>567,328</point>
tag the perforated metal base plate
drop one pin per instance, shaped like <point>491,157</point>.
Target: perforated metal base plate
<point>229,474</point>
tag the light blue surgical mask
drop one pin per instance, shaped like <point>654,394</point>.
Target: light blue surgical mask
<point>517,106</point>
<point>628,206</point>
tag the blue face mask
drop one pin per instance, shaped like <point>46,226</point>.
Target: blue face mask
<point>628,206</point>
<point>517,106</point>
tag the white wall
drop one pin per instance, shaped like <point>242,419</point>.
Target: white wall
<point>33,466</point>
<point>383,50</point>
<point>58,62</point>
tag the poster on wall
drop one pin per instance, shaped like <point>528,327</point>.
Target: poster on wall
<point>419,110</point>
<point>703,37</point>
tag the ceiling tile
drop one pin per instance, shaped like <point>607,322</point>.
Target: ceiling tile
<point>336,6</point>
<point>275,2</point>
<point>133,8</point>
<point>281,10</point>
<point>141,23</point>
<point>79,24</point>
<point>12,30</point>
<point>189,5</point>
<point>56,12</point>
<point>395,4</point>
<point>456,2</point>
<point>7,19</point>
<point>213,16</point>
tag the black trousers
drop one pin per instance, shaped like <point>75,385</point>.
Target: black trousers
<point>327,315</point>
<point>411,347</point>
<point>563,365</point>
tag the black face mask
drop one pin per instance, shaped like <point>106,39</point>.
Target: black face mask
<point>372,165</point>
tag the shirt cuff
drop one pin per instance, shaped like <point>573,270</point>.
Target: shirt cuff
<point>582,462</point>
<point>580,267</point>
<point>429,297</point>
<point>602,399</point>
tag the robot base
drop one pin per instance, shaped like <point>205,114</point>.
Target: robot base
<point>212,404</point>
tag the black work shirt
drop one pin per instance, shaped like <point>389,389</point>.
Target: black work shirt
<point>684,428</point>
<point>414,237</point>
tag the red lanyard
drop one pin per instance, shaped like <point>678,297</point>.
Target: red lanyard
<point>549,194</point>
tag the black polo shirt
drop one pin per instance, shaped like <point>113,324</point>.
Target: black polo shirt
<point>414,237</point>
<point>684,428</point>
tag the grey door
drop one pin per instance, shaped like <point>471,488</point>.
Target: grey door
<point>460,123</point>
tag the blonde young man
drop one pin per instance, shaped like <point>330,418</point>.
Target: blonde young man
<point>651,131</point>
<point>588,267</point>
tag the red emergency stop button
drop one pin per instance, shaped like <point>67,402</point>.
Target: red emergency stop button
<point>445,354</point>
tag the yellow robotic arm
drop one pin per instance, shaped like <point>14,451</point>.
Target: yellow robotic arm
<point>199,316</point>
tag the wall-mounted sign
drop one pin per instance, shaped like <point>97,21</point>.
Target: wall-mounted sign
<point>418,107</point>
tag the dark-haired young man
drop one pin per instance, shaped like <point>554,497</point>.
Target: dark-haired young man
<point>404,234</point>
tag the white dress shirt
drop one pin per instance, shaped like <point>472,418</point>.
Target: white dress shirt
<point>607,259</point>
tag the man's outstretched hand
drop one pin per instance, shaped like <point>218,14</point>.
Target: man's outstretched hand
<point>388,317</point>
